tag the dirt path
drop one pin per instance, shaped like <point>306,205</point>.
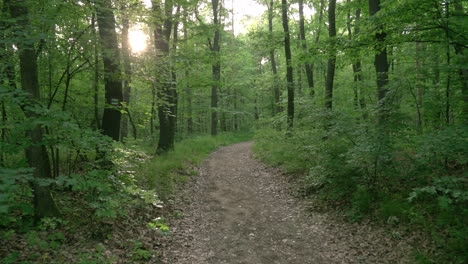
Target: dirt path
<point>238,211</point>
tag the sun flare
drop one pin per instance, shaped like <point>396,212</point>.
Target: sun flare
<point>138,40</point>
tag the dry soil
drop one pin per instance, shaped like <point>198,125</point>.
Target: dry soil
<point>239,211</point>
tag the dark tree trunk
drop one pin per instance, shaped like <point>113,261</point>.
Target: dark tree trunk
<point>162,34</point>
<point>307,66</point>
<point>381,65</point>
<point>3,131</point>
<point>276,87</point>
<point>112,75</point>
<point>215,69</point>
<point>36,153</point>
<point>331,56</point>
<point>289,68</point>
<point>7,77</point>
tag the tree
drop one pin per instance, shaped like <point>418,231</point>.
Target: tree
<point>359,99</point>
<point>127,68</point>
<point>289,68</point>
<point>215,68</point>
<point>331,55</point>
<point>112,73</point>
<point>36,152</point>
<point>165,89</point>
<point>276,87</point>
<point>380,64</point>
<point>307,66</point>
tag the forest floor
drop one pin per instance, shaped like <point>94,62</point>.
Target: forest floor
<point>240,211</point>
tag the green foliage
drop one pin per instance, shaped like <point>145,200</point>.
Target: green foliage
<point>398,179</point>
<point>15,197</point>
<point>52,241</point>
<point>140,253</point>
<point>160,225</point>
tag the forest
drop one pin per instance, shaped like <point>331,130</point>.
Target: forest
<point>108,107</point>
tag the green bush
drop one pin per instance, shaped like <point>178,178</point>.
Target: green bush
<point>396,177</point>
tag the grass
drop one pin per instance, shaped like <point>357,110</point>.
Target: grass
<point>164,172</point>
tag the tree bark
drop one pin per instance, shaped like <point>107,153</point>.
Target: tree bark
<point>359,99</point>
<point>381,65</point>
<point>289,68</point>
<point>307,66</point>
<point>36,153</point>
<point>112,74</point>
<point>96,77</point>
<point>463,70</point>
<point>126,54</point>
<point>162,34</point>
<point>419,86</point>
<point>331,56</point>
<point>276,87</point>
<point>173,92</point>
<point>215,68</point>
<point>317,38</point>
<point>188,88</point>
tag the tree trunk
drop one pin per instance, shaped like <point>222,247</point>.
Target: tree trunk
<point>317,38</point>
<point>331,56</point>
<point>307,66</point>
<point>126,54</point>
<point>215,68</point>
<point>381,65</point>
<point>96,77</point>
<point>153,108</point>
<point>359,99</point>
<point>276,87</point>
<point>289,68</point>
<point>173,92</point>
<point>463,70</point>
<point>419,86</point>
<point>36,153</point>
<point>3,131</point>
<point>188,88</point>
<point>162,34</point>
<point>112,75</point>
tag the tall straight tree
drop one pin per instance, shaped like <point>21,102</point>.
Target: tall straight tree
<point>276,87</point>
<point>165,89</point>
<point>331,55</point>
<point>289,68</point>
<point>380,63</point>
<point>112,72</point>
<point>307,66</point>
<point>215,68</point>
<point>36,152</point>
<point>127,67</point>
<point>188,88</point>
<point>317,36</point>
<point>359,99</point>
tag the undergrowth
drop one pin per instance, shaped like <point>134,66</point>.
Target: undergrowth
<point>403,180</point>
<point>94,198</point>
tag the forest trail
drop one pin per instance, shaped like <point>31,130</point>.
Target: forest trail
<point>239,211</point>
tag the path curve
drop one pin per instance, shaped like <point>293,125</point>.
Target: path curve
<point>239,211</point>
